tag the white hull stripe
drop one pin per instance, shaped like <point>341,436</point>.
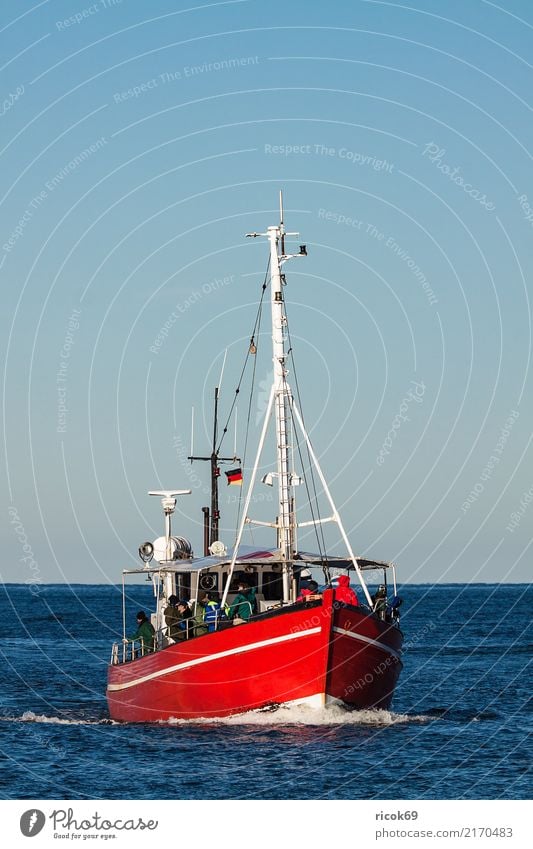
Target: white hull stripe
<point>197,661</point>
<point>369,640</point>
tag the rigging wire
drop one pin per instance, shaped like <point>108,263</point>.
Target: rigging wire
<point>257,330</point>
<point>318,526</point>
<point>252,351</point>
<point>248,417</point>
<point>252,348</point>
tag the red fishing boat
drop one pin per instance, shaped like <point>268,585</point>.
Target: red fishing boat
<point>257,632</point>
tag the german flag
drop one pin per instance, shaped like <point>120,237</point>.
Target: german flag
<point>234,477</point>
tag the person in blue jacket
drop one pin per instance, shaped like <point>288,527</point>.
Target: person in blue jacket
<point>212,611</point>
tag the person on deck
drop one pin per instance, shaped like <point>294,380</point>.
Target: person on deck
<point>309,592</point>
<point>185,628</point>
<point>244,602</point>
<point>172,618</point>
<point>344,592</point>
<point>197,624</point>
<point>145,633</point>
<point>212,612</point>
<point>379,601</point>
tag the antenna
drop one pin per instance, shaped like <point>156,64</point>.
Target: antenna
<point>221,372</point>
<point>212,515</point>
<point>168,503</point>
<point>169,494</point>
<point>281,227</point>
<point>192,431</point>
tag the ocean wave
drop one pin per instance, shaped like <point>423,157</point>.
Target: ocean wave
<point>462,715</point>
<point>30,716</point>
<point>485,650</point>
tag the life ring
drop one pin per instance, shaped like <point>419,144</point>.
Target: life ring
<point>208,582</point>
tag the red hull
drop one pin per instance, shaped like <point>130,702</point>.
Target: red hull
<point>306,653</point>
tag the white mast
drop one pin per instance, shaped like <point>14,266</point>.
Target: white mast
<point>281,392</point>
<point>282,399</point>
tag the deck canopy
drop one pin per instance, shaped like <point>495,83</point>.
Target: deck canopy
<point>341,562</point>
<point>247,554</point>
<point>250,555</point>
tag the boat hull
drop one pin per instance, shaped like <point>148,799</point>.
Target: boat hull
<point>364,660</point>
<point>311,654</point>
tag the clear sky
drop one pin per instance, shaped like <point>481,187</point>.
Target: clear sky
<point>140,141</point>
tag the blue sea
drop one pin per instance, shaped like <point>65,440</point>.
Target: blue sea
<point>460,726</point>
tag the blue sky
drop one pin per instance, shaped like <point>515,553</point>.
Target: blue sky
<point>139,142</point>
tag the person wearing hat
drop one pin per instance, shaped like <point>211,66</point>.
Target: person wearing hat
<point>145,633</point>
<point>184,613</point>
<point>176,615</point>
<point>243,604</point>
<point>172,618</point>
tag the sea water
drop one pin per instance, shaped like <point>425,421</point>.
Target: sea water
<point>459,728</point>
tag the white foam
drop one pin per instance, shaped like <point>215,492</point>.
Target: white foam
<point>281,715</point>
<point>304,715</point>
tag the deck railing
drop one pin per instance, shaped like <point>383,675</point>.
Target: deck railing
<point>129,650</point>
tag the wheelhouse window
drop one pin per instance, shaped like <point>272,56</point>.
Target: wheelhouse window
<point>251,579</point>
<point>208,581</point>
<point>272,586</point>
<point>183,585</point>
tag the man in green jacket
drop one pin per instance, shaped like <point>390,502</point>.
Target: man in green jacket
<point>145,633</point>
<point>173,619</point>
<point>244,603</point>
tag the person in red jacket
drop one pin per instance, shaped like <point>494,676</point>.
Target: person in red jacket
<point>344,592</point>
<point>309,592</point>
